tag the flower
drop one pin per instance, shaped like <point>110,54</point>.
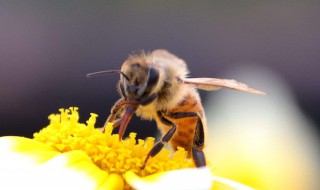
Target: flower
<point>67,154</point>
<point>183,179</point>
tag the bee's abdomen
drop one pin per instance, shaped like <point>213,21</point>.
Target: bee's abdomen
<point>185,134</point>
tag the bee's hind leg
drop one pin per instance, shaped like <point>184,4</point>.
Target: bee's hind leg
<point>198,140</point>
<point>198,144</point>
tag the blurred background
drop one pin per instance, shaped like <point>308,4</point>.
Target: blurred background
<point>48,47</point>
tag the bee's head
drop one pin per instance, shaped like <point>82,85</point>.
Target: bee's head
<point>138,78</point>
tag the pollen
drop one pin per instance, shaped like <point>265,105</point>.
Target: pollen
<point>65,133</point>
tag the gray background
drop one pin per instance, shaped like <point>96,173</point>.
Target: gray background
<point>47,48</point>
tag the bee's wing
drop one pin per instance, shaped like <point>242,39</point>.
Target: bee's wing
<point>215,84</point>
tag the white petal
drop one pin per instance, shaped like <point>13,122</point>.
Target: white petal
<point>184,179</point>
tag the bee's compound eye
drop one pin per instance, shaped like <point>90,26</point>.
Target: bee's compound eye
<point>153,77</point>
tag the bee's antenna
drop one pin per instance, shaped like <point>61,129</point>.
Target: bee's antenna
<point>107,72</point>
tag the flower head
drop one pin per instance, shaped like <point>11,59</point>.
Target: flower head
<point>67,155</point>
<point>65,133</point>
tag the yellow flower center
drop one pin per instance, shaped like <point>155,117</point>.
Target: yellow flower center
<point>65,133</point>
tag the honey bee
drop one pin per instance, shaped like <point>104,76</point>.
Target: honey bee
<point>155,86</point>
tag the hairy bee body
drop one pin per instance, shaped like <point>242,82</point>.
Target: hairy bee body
<point>187,102</point>
<point>173,97</point>
<point>169,91</point>
<point>155,86</point>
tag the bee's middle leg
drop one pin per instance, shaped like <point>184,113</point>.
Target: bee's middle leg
<point>198,142</point>
<point>166,138</point>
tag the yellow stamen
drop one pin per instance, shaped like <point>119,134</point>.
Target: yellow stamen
<point>65,133</point>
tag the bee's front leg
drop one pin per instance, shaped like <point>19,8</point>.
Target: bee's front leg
<point>117,111</point>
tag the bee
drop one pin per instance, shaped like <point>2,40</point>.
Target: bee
<point>155,86</point>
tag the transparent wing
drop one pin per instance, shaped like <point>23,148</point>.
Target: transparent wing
<point>215,84</point>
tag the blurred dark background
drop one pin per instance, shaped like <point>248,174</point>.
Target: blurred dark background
<point>48,47</point>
